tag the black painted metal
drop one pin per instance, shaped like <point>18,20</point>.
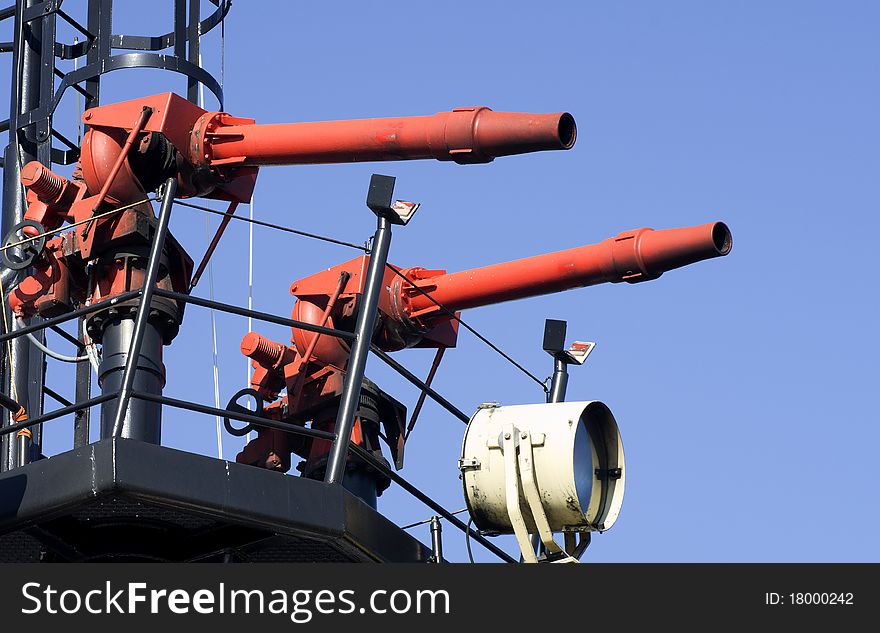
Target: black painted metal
<point>159,399</point>
<point>366,456</point>
<point>67,337</point>
<point>355,449</point>
<point>146,369</point>
<point>99,22</point>
<point>161,42</point>
<point>349,336</point>
<point>64,318</point>
<point>260,316</point>
<point>235,415</point>
<point>136,419</point>
<point>418,382</point>
<point>554,344</point>
<point>360,348</point>
<point>192,88</point>
<point>559,381</point>
<point>136,60</point>
<point>120,500</point>
<point>57,413</point>
<point>23,449</point>
<point>436,540</point>
<point>22,370</point>
<point>179,40</point>
<point>374,463</point>
<point>57,397</point>
<point>33,102</point>
<point>40,21</point>
<point>82,418</point>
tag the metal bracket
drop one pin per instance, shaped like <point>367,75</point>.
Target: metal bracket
<point>578,352</point>
<point>608,473</point>
<point>519,475</point>
<point>511,478</point>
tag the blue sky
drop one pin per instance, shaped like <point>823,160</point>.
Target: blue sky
<point>744,386</point>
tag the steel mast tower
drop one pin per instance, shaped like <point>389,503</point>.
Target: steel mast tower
<point>35,96</point>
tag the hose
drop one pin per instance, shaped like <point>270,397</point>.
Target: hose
<point>9,277</point>
<point>67,359</point>
<point>18,412</point>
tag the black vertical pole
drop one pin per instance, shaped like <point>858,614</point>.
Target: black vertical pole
<point>44,30</point>
<point>436,540</point>
<point>180,29</point>
<point>23,448</point>
<point>132,362</point>
<point>192,88</point>
<point>559,382</point>
<point>83,392</point>
<point>46,86</point>
<point>360,348</point>
<point>379,201</point>
<point>22,369</point>
<point>100,21</point>
<point>554,344</point>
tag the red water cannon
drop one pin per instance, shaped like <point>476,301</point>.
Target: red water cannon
<point>217,155</point>
<point>132,147</point>
<point>167,145</point>
<point>419,303</point>
<point>417,308</point>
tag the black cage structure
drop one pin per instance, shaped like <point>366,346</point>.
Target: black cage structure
<point>37,89</point>
<point>120,499</point>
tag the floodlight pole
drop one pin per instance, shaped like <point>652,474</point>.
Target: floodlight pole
<point>436,540</point>
<point>554,344</point>
<point>379,199</point>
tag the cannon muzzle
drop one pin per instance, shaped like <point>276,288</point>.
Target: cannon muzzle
<point>464,135</point>
<point>632,256</point>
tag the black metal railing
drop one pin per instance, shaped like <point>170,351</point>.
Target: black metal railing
<point>352,449</point>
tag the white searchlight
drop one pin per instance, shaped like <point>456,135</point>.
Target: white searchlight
<point>543,468</point>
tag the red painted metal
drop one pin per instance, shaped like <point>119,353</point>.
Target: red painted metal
<point>262,350</point>
<point>408,318</point>
<point>465,135</point>
<point>209,252</point>
<point>121,158</point>
<point>217,155</point>
<point>133,146</point>
<point>632,256</point>
<point>47,290</point>
<point>49,196</point>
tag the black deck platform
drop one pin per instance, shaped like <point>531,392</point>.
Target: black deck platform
<point>127,500</point>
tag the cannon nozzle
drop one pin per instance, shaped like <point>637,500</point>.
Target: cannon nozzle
<point>655,252</point>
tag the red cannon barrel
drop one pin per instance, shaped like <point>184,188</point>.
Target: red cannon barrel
<point>633,256</point>
<point>464,135</point>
